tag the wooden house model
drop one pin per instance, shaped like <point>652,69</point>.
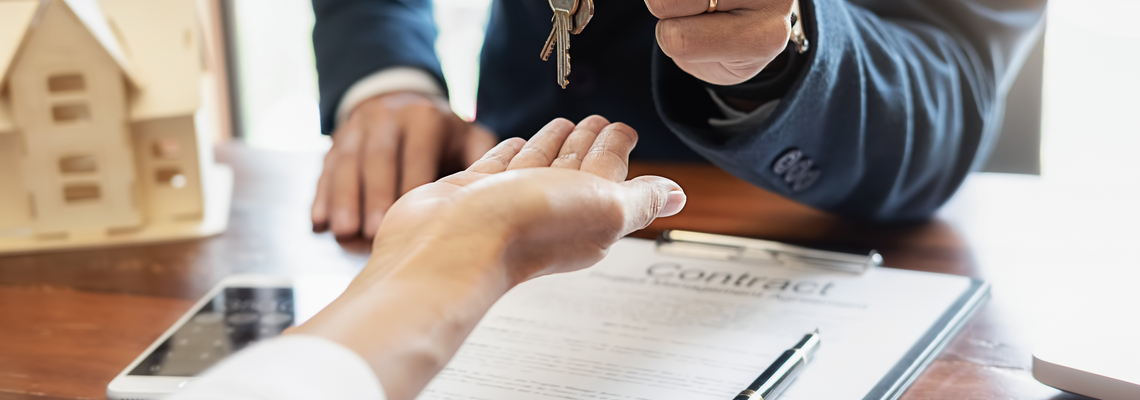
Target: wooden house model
<point>104,138</point>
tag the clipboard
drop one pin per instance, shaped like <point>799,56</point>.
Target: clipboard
<point>683,318</point>
<point>911,366</point>
<point>733,248</point>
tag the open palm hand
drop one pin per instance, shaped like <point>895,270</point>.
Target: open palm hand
<point>557,201</point>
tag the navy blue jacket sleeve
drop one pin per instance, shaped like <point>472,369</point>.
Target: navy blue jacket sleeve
<point>897,102</point>
<point>355,38</point>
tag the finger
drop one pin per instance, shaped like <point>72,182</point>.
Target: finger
<point>320,211</point>
<point>664,9</point>
<point>463,178</point>
<point>422,146</point>
<point>718,74</point>
<point>724,37</point>
<point>469,143</point>
<point>344,198</point>
<point>479,142</point>
<point>609,155</point>
<point>497,160</point>
<point>380,170</point>
<point>542,148</point>
<point>647,198</point>
<point>579,142</point>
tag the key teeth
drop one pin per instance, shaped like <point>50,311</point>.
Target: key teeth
<point>560,37</point>
<point>548,47</point>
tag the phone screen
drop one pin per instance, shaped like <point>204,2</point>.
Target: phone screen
<point>237,317</point>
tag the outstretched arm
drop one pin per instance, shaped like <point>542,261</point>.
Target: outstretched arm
<point>890,109</point>
<point>452,248</point>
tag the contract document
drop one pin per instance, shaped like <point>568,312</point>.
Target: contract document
<point>645,326</point>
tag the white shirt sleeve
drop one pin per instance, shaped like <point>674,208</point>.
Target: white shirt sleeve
<point>736,118</point>
<point>386,81</point>
<point>291,367</point>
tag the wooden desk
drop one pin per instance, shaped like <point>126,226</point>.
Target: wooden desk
<point>69,322</point>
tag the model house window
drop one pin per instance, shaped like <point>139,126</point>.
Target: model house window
<point>167,149</point>
<point>171,176</point>
<point>81,192</point>
<point>66,83</point>
<point>77,164</point>
<point>70,113</point>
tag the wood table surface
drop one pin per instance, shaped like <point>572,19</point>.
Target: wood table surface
<point>70,321</point>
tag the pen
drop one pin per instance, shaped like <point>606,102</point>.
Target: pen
<point>783,371</point>
<point>705,245</point>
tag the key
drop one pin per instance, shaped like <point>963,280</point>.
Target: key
<point>575,24</point>
<point>563,10</point>
<point>550,41</point>
<point>583,15</point>
<point>563,59</point>
<point>581,19</point>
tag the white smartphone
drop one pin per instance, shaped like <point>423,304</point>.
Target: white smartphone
<point>239,311</point>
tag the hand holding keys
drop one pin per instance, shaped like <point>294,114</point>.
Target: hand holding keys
<point>570,16</point>
<point>730,42</point>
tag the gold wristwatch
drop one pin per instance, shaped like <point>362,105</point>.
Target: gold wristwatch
<point>798,36</point>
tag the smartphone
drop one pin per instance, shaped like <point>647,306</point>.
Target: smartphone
<point>238,312</point>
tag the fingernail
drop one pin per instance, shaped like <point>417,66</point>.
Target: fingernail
<point>320,227</point>
<point>673,204</point>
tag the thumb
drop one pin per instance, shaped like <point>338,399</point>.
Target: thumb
<point>647,198</point>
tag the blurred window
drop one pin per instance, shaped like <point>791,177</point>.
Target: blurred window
<point>277,77</point>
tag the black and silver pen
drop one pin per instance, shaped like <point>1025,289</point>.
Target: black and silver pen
<point>782,372</point>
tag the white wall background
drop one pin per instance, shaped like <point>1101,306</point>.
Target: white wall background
<point>1092,91</point>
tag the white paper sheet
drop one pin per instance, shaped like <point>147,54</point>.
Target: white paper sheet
<point>645,326</point>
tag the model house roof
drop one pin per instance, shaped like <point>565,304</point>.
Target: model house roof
<point>155,43</point>
<point>87,11</point>
<point>163,42</point>
<point>15,16</point>
<point>91,14</point>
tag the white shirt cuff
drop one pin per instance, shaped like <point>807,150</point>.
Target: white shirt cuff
<point>389,80</point>
<point>290,367</point>
<point>734,117</point>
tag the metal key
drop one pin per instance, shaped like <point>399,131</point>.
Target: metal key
<point>579,20</point>
<point>583,15</point>
<point>550,41</point>
<point>563,10</point>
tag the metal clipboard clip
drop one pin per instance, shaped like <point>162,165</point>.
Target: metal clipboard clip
<point>732,248</point>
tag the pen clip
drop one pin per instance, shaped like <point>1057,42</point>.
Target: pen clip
<point>732,248</point>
